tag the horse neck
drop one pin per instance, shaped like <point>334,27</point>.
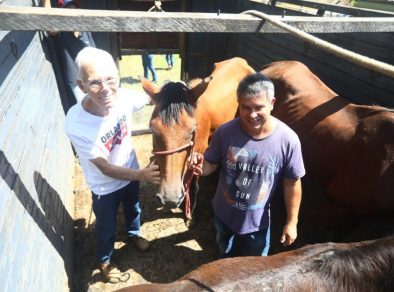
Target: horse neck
<point>203,133</point>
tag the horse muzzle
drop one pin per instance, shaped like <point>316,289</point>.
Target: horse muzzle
<point>169,203</point>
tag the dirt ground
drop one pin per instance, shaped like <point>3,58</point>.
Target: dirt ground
<point>175,249</point>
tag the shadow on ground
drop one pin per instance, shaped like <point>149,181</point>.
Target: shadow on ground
<point>129,80</point>
<point>175,249</point>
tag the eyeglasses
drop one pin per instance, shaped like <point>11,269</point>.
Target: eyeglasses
<point>97,85</point>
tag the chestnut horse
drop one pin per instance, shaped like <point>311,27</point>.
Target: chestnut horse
<point>348,149</point>
<point>362,266</point>
<point>184,118</point>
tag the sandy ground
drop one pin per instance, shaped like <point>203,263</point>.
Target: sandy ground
<point>175,249</point>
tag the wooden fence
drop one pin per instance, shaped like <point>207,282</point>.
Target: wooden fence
<point>36,159</point>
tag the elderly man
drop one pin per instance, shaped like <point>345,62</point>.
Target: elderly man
<point>255,152</point>
<point>100,130</point>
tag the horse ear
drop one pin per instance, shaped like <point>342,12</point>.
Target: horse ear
<point>199,89</point>
<point>150,88</point>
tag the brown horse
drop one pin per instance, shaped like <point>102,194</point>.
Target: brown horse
<point>348,149</point>
<point>364,266</point>
<point>184,118</point>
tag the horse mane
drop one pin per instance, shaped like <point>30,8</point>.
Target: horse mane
<point>361,267</point>
<point>173,98</point>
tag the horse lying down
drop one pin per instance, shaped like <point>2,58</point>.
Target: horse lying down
<point>361,266</point>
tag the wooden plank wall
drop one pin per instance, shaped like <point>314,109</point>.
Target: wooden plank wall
<point>357,84</point>
<point>202,50</point>
<point>36,167</point>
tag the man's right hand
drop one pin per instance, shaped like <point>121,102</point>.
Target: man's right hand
<point>196,163</point>
<point>151,173</point>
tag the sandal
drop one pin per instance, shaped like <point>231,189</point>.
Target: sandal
<point>112,274</point>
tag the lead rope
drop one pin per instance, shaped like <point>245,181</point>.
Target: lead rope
<point>187,179</point>
<point>350,56</point>
<point>186,185</point>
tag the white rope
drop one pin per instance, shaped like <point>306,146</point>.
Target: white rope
<point>353,57</point>
<point>156,7</point>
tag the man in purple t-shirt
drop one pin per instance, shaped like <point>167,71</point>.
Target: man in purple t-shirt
<point>255,152</point>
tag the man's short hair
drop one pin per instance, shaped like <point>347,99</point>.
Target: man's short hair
<point>254,85</point>
<point>91,55</point>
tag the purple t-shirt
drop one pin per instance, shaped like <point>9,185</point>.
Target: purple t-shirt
<point>250,169</point>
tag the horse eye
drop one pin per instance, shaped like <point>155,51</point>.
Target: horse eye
<point>154,132</point>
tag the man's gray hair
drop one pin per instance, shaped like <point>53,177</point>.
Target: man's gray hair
<point>90,55</point>
<point>254,85</point>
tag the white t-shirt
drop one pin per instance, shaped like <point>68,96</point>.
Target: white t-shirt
<point>107,137</point>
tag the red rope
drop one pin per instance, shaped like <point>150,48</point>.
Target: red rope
<point>186,183</point>
<point>171,151</point>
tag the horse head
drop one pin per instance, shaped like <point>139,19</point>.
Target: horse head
<point>173,124</point>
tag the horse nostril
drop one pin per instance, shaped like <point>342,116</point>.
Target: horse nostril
<point>160,198</point>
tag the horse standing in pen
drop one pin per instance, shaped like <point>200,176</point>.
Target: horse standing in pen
<point>183,120</point>
<point>348,150</point>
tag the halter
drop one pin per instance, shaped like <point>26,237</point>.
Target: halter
<point>178,149</point>
<point>188,176</point>
<point>171,151</point>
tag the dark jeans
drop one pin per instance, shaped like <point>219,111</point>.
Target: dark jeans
<point>105,209</point>
<point>250,244</point>
<point>147,63</point>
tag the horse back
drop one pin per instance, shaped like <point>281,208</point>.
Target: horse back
<point>347,148</point>
<point>318,267</point>
<point>218,104</point>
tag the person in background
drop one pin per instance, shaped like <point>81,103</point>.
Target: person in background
<point>147,63</point>
<point>99,128</point>
<point>255,152</point>
<point>68,45</point>
<point>170,61</point>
